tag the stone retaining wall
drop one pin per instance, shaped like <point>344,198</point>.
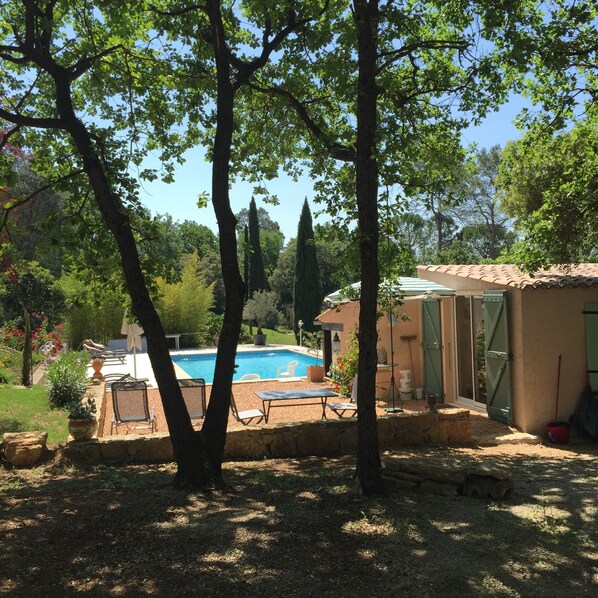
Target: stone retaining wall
<point>314,438</point>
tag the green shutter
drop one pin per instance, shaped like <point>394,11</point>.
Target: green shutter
<point>591,314</point>
<point>432,347</point>
<point>498,358</point>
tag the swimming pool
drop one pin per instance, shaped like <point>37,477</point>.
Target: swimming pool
<point>263,363</point>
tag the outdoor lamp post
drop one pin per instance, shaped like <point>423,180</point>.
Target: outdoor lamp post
<point>300,324</point>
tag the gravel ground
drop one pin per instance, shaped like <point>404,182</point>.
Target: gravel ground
<point>245,398</point>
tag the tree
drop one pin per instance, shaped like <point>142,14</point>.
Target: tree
<point>257,273</point>
<point>550,187</point>
<point>60,85</point>
<point>28,288</point>
<point>262,309</point>
<point>281,280</point>
<point>307,297</point>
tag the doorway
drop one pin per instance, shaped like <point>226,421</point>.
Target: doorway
<point>470,343</point>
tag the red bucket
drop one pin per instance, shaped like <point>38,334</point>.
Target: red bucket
<point>558,432</point>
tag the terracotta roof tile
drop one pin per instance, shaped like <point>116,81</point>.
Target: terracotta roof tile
<point>576,275</point>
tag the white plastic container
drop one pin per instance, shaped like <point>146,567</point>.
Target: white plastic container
<point>419,393</point>
<point>406,374</point>
<point>406,395</point>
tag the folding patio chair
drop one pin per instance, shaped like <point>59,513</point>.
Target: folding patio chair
<point>248,415</point>
<point>349,407</point>
<point>130,404</point>
<point>194,395</point>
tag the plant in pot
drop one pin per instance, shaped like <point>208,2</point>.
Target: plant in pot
<point>82,422</point>
<point>313,342</point>
<point>262,309</point>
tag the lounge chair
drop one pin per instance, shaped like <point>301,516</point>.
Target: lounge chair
<point>101,351</point>
<point>247,377</point>
<point>194,395</point>
<point>130,404</point>
<point>246,417</point>
<point>290,370</point>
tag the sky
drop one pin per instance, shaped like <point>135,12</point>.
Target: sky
<point>179,199</point>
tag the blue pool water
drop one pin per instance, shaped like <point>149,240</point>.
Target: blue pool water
<point>263,363</point>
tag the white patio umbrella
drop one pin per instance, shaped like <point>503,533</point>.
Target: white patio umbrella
<point>133,333</point>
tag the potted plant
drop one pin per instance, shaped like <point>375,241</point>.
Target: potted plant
<point>313,342</point>
<point>262,309</point>
<point>67,379</point>
<point>82,422</point>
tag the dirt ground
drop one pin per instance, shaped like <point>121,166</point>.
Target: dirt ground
<point>301,528</point>
<point>245,398</point>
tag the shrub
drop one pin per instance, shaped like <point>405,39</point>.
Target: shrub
<point>67,378</point>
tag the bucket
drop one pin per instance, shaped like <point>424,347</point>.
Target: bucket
<point>558,432</point>
<point>406,395</point>
<point>419,393</point>
<point>405,374</point>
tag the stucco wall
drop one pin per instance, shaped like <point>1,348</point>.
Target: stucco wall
<point>543,324</point>
<point>348,315</point>
<point>554,325</point>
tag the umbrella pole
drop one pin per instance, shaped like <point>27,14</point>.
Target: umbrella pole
<point>392,394</point>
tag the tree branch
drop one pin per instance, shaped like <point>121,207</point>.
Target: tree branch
<point>24,200</point>
<point>407,51</point>
<point>335,149</point>
<point>83,65</point>
<point>29,121</point>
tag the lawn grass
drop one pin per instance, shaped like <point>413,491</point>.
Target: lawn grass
<point>277,337</point>
<point>28,409</point>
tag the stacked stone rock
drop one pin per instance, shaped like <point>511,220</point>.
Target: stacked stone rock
<point>24,449</point>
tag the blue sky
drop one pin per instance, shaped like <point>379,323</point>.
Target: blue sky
<point>179,199</point>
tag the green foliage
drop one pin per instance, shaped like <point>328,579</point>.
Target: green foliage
<point>263,310</point>
<point>82,409</point>
<point>550,187</point>
<point>313,341</point>
<point>67,378</point>
<point>257,273</point>
<point>184,306</point>
<point>92,311</point>
<point>26,410</point>
<point>28,286</point>
<point>307,300</point>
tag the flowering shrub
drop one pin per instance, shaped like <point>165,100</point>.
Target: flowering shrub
<point>343,372</point>
<point>13,336</point>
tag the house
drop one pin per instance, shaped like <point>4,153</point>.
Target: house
<point>493,338</point>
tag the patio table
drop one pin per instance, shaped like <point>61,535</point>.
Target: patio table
<point>300,396</point>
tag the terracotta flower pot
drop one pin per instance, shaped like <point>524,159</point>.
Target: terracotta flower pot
<point>82,429</point>
<point>315,373</point>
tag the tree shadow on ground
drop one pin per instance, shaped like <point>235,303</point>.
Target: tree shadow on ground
<point>298,528</point>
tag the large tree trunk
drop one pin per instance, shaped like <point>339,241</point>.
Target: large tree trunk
<point>368,455</point>
<point>217,415</point>
<point>194,466</point>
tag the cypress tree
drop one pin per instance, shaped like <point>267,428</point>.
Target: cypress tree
<point>257,273</point>
<point>307,293</point>
<point>246,260</point>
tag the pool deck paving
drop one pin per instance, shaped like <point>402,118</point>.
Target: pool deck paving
<point>484,429</point>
